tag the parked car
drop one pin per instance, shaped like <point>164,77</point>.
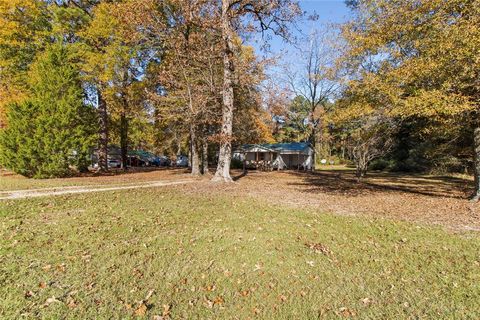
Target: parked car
<point>182,161</point>
<point>155,162</point>
<point>164,161</point>
<point>113,163</point>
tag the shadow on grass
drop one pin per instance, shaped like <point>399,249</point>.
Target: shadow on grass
<point>345,183</point>
<point>240,176</point>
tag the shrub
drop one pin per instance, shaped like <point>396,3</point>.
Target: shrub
<point>380,164</point>
<point>236,164</point>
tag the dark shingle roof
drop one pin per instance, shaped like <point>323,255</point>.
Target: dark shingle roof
<point>278,147</point>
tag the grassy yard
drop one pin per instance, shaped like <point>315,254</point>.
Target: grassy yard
<point>161,254</point>
<point>11,181</point>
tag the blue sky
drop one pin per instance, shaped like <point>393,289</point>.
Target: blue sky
<point>329,12</point>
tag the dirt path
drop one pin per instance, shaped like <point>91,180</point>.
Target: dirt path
<point>46,192</point>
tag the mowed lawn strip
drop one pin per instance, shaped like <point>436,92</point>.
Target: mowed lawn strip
<point>152,252</point>
<point>12,182</point>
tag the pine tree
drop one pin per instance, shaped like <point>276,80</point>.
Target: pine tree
<point>52,130</point>
<point>24,30</point>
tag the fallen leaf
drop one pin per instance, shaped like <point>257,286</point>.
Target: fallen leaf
<point>149,295</point>
<point>167,310</point>
<point>218,300</point>
<point>42,285</point>
<point>208,303</point>
<point>210,287</point>
<point>71,303</point>
<point>347,312</point>
<point>319,248</point>
<point>141,310</point>
<point>244,293</point>
<point>137,273</point>
<point>50,301</point>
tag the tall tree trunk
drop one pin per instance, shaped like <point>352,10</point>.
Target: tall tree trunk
<point>205,156</point>
<point>476,152</point>
<point>225,154</point>
<point>313,142</point>
<point>179,150</point>
<point>195,158</point>
<point>361,162</point>
<point>314,147</point>
<point>103,133</point>
<point>124,140</point>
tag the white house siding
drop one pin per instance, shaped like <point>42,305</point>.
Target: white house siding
<point>294,160</point>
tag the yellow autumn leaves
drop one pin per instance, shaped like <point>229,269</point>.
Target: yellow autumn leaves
<point>416,58</point>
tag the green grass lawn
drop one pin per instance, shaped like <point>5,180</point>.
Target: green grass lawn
<point>101,255</point>
<point>17,182</point>
<point>10,181</point>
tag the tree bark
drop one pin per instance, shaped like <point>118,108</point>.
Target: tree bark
<point>205,156</point>
<point>361,162</point>
<point>103,133</point>
<point>476,162</point>
<point>313,138</point>
<point>195,159</point>
<point>225,154</point>
<point>360,173</point>
<point>124,140</point>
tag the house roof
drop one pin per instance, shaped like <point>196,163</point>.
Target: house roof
<point>142,154</point>
<point>291,147</point>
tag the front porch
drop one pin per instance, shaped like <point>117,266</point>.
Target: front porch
<point>268,157</point>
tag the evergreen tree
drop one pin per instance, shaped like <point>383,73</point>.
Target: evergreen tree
<point>296,127</point>
<point>52,130</point>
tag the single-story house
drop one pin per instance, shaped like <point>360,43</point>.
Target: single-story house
<point>294,155</point>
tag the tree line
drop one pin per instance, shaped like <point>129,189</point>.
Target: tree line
<point>397,86</point>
